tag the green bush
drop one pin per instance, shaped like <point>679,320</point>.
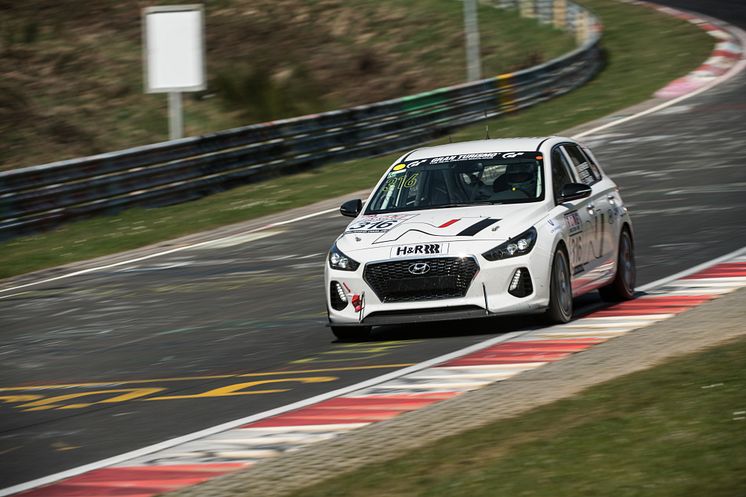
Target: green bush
<point>263,94</point>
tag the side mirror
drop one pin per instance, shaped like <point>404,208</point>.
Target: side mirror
<point>351,208</point>
<point>574,191</point>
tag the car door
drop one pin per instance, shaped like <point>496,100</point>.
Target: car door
<point>576,221</point>
<point>613,206</point>
<point>601,245</point>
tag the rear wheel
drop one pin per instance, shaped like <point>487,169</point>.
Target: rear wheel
<point>623,285</point>
<point>560,289</point>
<point>352,333</point>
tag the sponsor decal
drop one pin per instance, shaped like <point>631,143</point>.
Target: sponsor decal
<point>419,249</point>
<point>573,222</point>
<point>397,181</point>
<point>409,165</point>
<point>553,226</point>
<point>377,224</point>
<point>476,156</point>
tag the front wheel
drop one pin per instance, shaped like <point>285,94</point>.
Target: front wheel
<point>560,289</point>
<point>352,333</point>
<point>623,285</point>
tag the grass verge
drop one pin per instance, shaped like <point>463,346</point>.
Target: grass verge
<point>634,71</point>
<point>676,429</point>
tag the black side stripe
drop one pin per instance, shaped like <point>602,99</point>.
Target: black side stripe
<point>477,227</point>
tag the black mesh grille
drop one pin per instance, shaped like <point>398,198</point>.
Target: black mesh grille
<point>447,278</point>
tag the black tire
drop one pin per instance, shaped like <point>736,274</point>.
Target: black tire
<point>622,286</point>
<point>560,289</point>
<point>352,333</point>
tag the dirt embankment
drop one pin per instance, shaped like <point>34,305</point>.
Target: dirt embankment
<point>71,72</point>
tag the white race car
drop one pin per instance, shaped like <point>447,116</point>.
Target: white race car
<point>481,228</point>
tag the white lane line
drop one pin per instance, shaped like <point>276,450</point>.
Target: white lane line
<point>110,461</point>
<point>232,241</point>
<point>157,254</point>
<point>301,218</point>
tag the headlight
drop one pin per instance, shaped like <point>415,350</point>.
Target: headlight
<point>338,260</point>
<point>519,245</point>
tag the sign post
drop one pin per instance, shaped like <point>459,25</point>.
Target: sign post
<point>471,29</point>
<point>174,56</point>
<point>175,116</point>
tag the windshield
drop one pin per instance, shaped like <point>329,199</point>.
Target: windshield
<point>461,180</point>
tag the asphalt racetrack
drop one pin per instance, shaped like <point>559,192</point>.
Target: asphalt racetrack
<point>111,361</point>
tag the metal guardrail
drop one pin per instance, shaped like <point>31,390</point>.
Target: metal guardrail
<point>40,197</point>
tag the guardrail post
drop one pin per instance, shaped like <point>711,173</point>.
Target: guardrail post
<point>583,28</point>
<point>559,14</point>
<point>527,9</point>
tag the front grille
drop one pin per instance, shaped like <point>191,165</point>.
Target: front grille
<point>447,278</point>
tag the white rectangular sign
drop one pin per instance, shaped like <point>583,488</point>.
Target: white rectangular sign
<point>174,48</point>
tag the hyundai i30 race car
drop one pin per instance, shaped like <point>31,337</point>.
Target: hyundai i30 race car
<point>480,228</point>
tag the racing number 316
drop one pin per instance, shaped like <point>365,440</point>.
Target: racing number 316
<point>372,225</point>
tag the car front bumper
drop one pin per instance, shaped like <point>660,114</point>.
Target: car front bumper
<point>487,295</point>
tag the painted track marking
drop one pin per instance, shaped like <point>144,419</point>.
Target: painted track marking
<point>247,440</point>
<point>111,461</point>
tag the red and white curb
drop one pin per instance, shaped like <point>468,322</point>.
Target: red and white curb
<point>727,53</point>
<point>199,460</point>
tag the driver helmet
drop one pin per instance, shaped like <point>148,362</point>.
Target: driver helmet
<point>520,176</point>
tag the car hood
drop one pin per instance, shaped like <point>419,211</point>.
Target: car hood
<point>492,223</point>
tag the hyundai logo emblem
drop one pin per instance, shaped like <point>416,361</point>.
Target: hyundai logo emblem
<point>419,268</point>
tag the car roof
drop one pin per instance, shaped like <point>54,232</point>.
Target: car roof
<point>470,147</point>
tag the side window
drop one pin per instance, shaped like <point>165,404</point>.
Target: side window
<point>592,161</point>
<point>560,172</point>
<point>587,171</point>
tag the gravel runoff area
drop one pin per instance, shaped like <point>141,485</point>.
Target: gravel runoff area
<point>702,327</point>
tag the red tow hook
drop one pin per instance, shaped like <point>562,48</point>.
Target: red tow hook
<point>357,302</point>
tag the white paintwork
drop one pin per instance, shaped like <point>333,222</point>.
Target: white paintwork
<point>594,249</point>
